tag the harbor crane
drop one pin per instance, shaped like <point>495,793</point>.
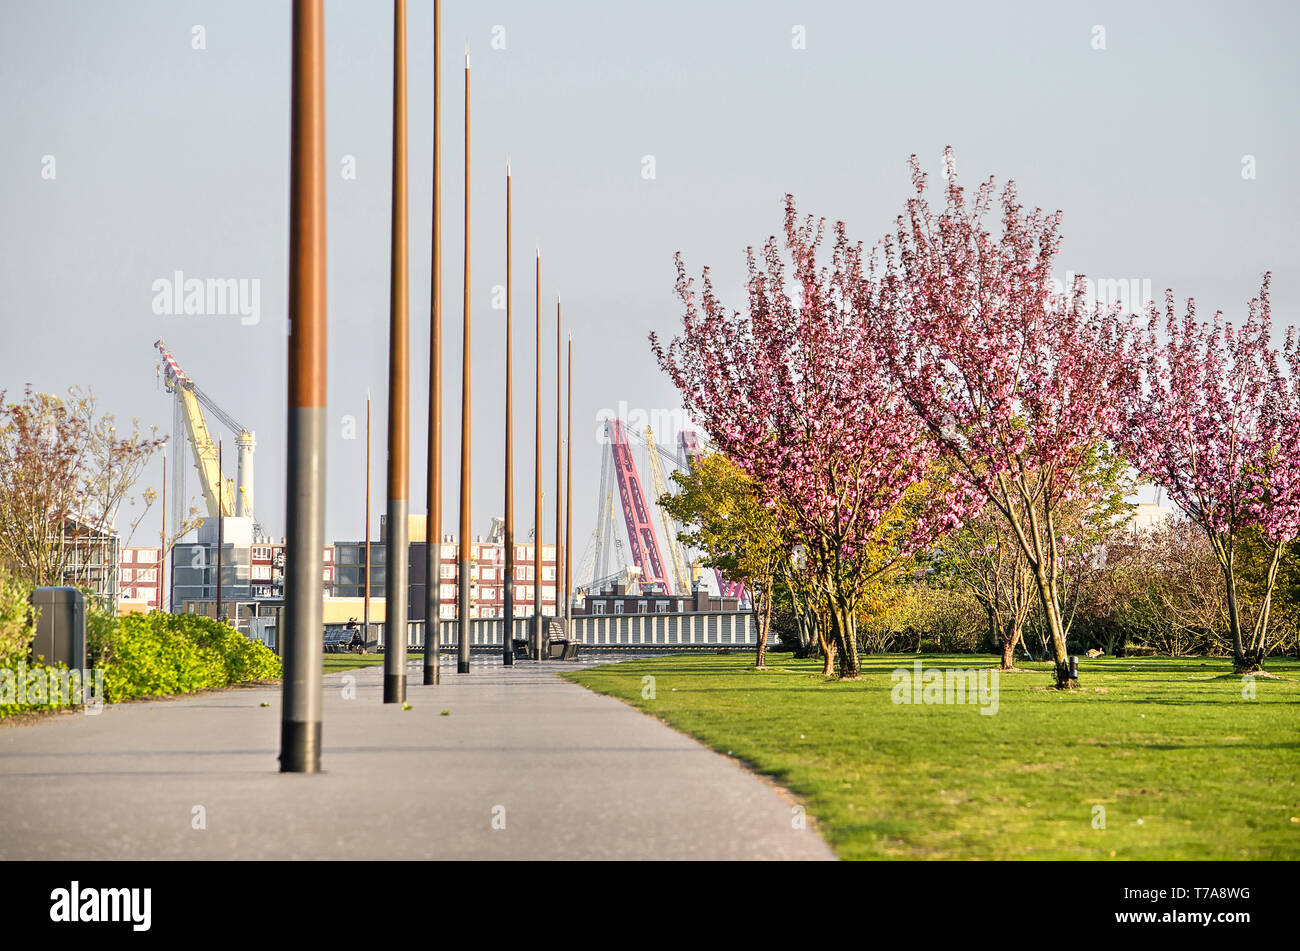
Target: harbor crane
<point>221,497</point>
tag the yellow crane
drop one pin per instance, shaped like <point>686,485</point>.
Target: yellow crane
<point>219,493</point>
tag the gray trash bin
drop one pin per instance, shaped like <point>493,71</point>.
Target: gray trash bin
<point>61,627</point>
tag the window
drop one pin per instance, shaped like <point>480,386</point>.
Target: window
<point>128,555</point>
<point>643,607</point>
<point>146,574</point>
<point>329,556</point>
<point>661,607</point>
<point>487,574</point>
<point>128,575</point>
<point>447,571</point>
<point>128,594</point>
<point>548,574</point>
<point>149,556</point>
<point>618,607</point>
<point>261,554</point>
<point>597,607</point>
<point>261,572</point>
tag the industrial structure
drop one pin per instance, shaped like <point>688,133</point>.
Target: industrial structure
<point>221,497</point>
<point>659,563</point>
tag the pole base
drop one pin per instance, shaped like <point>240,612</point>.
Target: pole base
<point>507,660</point>
<point>462,666</point>
<point>430,676</point>
<point>299,746</point>
<point>394,688</point>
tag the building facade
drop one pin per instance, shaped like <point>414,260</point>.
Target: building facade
<point>139,583</point>
<point>622,599</point>
<point>487,582</point>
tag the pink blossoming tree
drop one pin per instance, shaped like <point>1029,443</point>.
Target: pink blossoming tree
<point>1218,426</point>
<point>792,391</point>
<point>1016,384</point>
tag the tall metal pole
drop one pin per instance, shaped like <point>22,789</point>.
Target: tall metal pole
<point>538,535</point>
<point>559,459</point>
<point>221,521</point>
<point>300,726</point>
<point>365,611</point>
<point>568,493</point>
<point>162,552</point>
<point>466,562</point>
<point>396,553</point>
<point>433,497</point>
<point>507,635</point>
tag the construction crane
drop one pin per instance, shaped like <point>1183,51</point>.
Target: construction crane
<point>218,493</point>
<point>604,548</point>
<point>636,515</point>
<point>677,557</point>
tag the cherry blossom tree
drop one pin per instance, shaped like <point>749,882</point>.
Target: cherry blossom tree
<point>792,391</point>
<point>1016,383</point>
<point>1218,426</point>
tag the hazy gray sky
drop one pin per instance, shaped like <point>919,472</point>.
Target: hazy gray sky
<point>168,158</point>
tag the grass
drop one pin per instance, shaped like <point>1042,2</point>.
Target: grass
<point>1183,765</point>
<point>333,663</point>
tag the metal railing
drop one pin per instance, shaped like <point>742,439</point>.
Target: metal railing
<point>693,631</point>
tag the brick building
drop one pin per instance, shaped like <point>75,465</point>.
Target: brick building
<point>487,592</point>
<point>139,580</point>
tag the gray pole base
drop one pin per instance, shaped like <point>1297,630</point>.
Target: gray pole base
<point>300,746</point>
<point>462,666</point>
<point>394,688</point>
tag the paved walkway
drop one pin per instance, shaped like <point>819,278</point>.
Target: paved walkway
<point>574,775</point>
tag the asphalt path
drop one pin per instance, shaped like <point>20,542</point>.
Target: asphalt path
<point>499,763</point>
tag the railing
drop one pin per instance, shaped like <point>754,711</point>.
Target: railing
<point>694,631</point>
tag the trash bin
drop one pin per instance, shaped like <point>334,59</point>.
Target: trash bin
<point>60,627</point>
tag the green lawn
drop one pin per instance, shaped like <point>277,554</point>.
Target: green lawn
<point>336,662</point>
<point>1182,764</point>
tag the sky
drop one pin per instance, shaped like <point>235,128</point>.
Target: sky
<point>141,138</point>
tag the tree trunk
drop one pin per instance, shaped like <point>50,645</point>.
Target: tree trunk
<point>763,617</point>
<point>1008,653</point>
<point>845,633</point>
<point>1242,663</point>
<point>1052,618</point>
<point>827,643</point>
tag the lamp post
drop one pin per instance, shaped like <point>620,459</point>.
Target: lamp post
<point>433,466</point>
<point>536,637</point>
<point>365,608</point>
<point>559,459</point>
<point>396,568</point>
<point>568,496</point>
<point>508,584</point>
<point>300,725</point>
<point>466,563</point>
<point>221,521</point>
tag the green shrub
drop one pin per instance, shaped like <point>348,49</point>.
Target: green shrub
<point>16,627</point>
<point>147,655</point>
<point>38,677</point>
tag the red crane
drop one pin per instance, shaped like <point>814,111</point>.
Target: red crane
<point>636,514</point>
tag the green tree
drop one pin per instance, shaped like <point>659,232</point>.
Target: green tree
<point>64,468</point>
<point>725,518</point>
